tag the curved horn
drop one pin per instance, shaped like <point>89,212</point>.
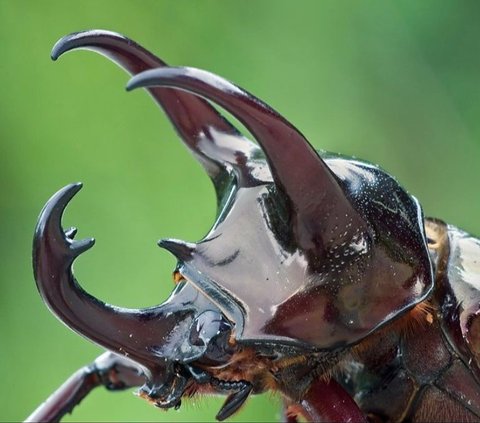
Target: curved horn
<point>140,334</point>
<point>200,126</point>
<point>318,202</point>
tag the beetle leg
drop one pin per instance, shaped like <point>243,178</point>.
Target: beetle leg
<point>110,370</point>
<point>289,414</point>
<point>326,401</point>
<point>234,401</point>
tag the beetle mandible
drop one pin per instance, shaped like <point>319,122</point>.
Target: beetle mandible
<point>320,278</point>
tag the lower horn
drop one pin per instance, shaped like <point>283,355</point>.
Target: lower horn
<point>140,334</point>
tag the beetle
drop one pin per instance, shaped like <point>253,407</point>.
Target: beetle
<point>320,279</point>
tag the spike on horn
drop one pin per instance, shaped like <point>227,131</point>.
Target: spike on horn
<point>310,186</point>
<point>180,249</point>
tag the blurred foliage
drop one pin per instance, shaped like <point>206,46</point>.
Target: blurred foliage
<point>395,83</point>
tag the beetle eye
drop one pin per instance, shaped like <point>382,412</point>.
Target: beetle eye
<point>208,325</point>
<point>212,330</point>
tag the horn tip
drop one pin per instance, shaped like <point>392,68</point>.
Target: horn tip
<point>64,195</point>
<point>62,45</point>
<point>74,187</point>
<point>59,201</point>
<point>132,84</point>
<point>180,249</point>
<point>143,79</point>
<point>83,39</point>
<point>79,247</point>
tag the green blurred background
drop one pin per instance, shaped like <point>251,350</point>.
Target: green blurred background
<point>395,83</point>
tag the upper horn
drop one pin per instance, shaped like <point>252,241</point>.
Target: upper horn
<point>198,124</point>
<point>316,198</point>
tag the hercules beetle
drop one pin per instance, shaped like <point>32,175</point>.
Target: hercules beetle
<point>320,278</point>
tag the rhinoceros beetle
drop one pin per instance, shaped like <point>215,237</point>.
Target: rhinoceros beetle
<point>320,278</point>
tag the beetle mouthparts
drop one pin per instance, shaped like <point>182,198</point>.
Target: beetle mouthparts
<point>167,393</point>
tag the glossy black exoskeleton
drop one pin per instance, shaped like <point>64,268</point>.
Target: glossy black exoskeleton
<point>317,280</point>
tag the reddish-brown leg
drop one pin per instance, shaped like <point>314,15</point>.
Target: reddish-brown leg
<point>325,401</point>
<point>289,412</point>
<point>109,370</point>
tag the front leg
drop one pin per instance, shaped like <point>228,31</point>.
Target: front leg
<point>325,401</point>
<point>109,370</point>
